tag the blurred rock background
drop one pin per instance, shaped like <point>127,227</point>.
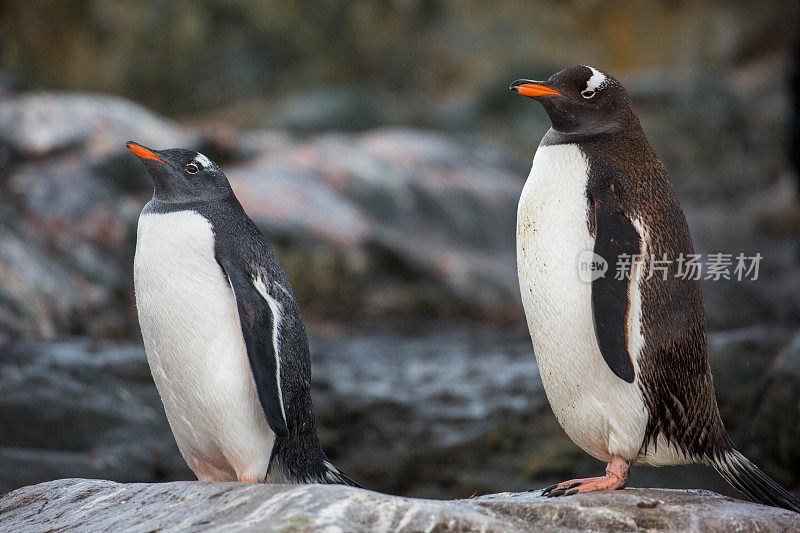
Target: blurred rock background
<point>377,146</point>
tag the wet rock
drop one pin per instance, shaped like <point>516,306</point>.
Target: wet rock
<point>68,199</point>
<point>39,124</point>
<point>365,224</point>
<point>83,408</point>
<point>109,506</point>
<point>775,430</point>
<point>337,109</point>
<point>390,220</point>
<point>384,223</point>
<point>453,411</point>
<point>77,408</point>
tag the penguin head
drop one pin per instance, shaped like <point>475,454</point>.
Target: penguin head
<point>582,100</point>
<point>181,175</point>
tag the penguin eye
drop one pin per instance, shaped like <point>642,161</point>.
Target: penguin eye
<point>191,168</point>
<point>587,93</point>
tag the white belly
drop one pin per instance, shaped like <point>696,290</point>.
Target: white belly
<point>600,412</point>
<point>190,326</point>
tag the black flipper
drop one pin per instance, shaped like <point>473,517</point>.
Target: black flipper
<point>258,324</point>
<point>615,235</point>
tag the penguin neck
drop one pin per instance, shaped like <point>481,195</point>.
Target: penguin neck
<point>161,204</point>
<point>554,136</point>
<point>621,150</point>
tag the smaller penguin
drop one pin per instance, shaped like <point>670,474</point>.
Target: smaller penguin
<point>222,329</point>
<point>623,358</point>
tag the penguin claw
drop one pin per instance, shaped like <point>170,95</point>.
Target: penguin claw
<point>560,492</point>
<point>556,490</point>
<point>549,488</point>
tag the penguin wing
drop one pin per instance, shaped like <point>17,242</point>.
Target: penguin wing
<point>618,242</point>
<point>259,314</point>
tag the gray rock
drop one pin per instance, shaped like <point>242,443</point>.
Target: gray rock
<point>54,279</point>
<point>380,222</point>
<point>39,124</point>
<point>767,222</point>
<point>390,220</point>
<point>775,431</point>
<point>453,411</point>
<point>69,200</point>
<point>337,109</point>
<point>78,408</point>
<point>85,408</point>
<point>95,505</point>
<point>383,223</point>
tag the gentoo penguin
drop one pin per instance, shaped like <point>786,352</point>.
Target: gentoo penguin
<point>623,358</point>
<point>222,330</point>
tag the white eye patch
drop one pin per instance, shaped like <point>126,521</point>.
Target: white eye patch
<point>594,83</point>
<point>203,161</point>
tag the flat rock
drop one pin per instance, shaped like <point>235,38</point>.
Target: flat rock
<point>98,505</point>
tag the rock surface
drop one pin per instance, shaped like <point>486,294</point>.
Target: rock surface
<point>448,412</point>
<point>81,407</point>
<point>67,209</point>
<point>386,223</point>
<point>778,397</point>
<point>107,506</point>
<point>382,222</point>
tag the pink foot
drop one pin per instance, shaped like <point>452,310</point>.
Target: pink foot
<point>616,478</point>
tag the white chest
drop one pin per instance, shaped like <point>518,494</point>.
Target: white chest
<point>600,412</point>
<point>190,326</point>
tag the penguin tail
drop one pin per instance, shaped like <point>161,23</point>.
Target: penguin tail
<point>740,472</point>
<point>334,476</point>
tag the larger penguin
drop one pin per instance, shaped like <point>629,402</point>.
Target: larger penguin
<point>222,330</point>
<point>623,358</point>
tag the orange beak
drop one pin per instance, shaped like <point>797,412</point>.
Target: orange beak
<point>532,89</point>
<point>141,151</point>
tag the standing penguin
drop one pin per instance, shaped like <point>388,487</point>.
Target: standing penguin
<point>623,358</point>
<point>222,330</point>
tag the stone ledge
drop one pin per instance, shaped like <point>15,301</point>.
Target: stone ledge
<point>98,505</point>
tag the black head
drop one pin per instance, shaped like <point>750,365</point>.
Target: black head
<point>181,175</point>
<point>582,100</point>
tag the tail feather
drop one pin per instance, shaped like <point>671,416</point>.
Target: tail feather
<point>335,476</point>
<point>749,479</point>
